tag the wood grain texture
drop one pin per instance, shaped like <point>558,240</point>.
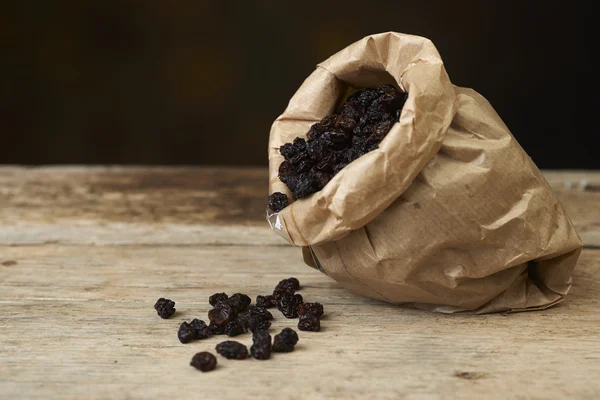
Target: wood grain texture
<point>80,269</point>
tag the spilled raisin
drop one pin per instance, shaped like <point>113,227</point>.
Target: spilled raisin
<point>165,308</point>
<point>265,301</point>
<point>256,318</point>
<point>201,329</point>
<point>186,333</point>
<point>285,341</point>
<point>217,298</point>
<point>194,330</point>
<point>315,309</point>
<point>289,285</point>
<point>309,322</point>
<point>216,329</point>
<point>222,314</point>
<point>232,350</point>
<point>288,304</point>
<point>261,345</point>
<point>277,201</point>
<point>239,302</point>
<point>234,328</point>
<point>204,361</point>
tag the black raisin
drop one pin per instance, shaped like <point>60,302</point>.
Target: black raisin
<point>263,325</point>
<point>261,345</point>
<point>277,201</point>
<point>232,350</point>
<point>165,308</point>
<point>288,285</point>
<point>261,312</point>
<point>315,309</point>
<point>288,304</point>
<point>367,114</point>
<point>222,314</point>
<point>191,331</point>
<point>267,301</point>
<point>204,361</point>
<point>256,317</point>
<point>186,333</point>
<point>216,329</point>
<point>217,298</point>
<point>309,322</point>
<point>234,328</point>
<point>202,330</point>
<point>285,341</point>
<point>239,302</point>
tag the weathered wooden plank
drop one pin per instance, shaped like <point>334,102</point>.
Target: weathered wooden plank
<point>157,206</point>
<point>78,322</point>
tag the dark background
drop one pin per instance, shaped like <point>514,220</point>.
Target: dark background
<point>200,82</point>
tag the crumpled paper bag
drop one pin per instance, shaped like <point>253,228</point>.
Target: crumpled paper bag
<point>448,214</point>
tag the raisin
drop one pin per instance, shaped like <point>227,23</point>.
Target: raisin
<point>262,325</point>
<point>277,201</point>
<point>256,318</point>
<point>234,328</point>
<point>288,151</point>
<point>165,308</point>
<point>261,345</point>
<point>367,114</point>
<point>261,312</point>
<point>232,350</point>
<point>216,329</point>
<point>285,168</point>
<point>204,361</point>
<point>285,341</point>
<point>217,298</point>
<point>309,322</point>
<point>267,301</point>
<point>191,331</point>
<point>222,314</point>
<point>239,302</point>
<point>288,285</point>
<point>202,330</point>
<point>315,309</point>
<point>288,304</point>
<point>186,333</point>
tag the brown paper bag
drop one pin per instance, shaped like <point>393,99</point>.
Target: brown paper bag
<point>448,214</point>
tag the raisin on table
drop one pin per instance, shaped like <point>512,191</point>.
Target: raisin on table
<point>267,301</point>
<point>239,302</point>
<point>204,361</point>
<point>165,308</point>
<point>315,309</point>
<point>261,347</point>
<point>217,298</point>
<point>232,350</point>
<point>289,285</point>
<point>235,328</point>
<point>202,330</point>
<point>216,329</point>
<point>309,322</point>
<point>288,304</point>
<point>285,341</point>
<point>186,333</point>
<point>222,314</point>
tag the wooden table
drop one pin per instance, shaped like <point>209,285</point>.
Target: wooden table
<point>85,252</point>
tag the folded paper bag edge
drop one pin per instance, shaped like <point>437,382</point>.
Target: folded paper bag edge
<point>428,112</point>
